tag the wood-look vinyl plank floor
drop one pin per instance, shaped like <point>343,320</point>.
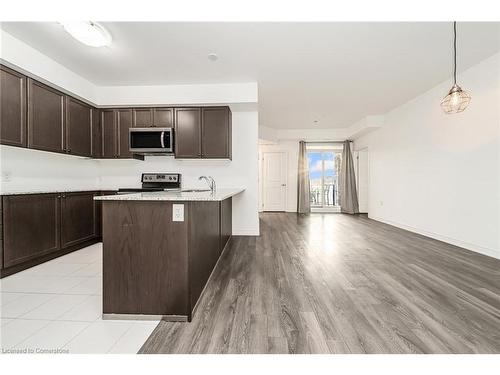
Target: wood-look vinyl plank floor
<point>334,283</point>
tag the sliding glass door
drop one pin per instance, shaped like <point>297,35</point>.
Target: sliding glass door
<point>324,171</point>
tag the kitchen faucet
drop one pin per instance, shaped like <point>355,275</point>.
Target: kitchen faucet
<point>210,181</point>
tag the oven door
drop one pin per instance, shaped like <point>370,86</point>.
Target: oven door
<point>151,140</point>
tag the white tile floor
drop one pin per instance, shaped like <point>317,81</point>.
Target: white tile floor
<point>58,305</point>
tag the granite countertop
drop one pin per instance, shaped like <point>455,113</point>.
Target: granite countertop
<point>219,195</point>
<point>50,191</point>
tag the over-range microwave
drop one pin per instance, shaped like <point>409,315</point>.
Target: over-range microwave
<point>151,140</point>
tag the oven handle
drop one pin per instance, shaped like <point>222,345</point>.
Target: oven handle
<point>162,139</point>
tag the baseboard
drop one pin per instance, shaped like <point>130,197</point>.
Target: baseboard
<point>245,232</point>
<point>491,252</point>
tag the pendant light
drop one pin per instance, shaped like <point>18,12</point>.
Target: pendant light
<point>457,99</point>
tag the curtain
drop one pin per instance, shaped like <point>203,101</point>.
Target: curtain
<point>348,193</point>
<point>303,204</point>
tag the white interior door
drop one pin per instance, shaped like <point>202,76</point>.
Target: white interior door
<point>362,179</point>
<point>274,181</point>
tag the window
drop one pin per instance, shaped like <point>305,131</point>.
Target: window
<point>324,171</point>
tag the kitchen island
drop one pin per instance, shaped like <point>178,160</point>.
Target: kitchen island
<point>159,250</point>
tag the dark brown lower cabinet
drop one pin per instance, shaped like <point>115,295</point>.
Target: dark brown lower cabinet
<point>153,265</point>
<point>31,227</point>
<point>35,228</point>
<point>78,215</point>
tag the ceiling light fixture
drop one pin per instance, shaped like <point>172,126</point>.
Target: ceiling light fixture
<point>457,99</point>
<point>213,56</point>
<point>88,32</point>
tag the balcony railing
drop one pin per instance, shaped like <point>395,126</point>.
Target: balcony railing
<point>330,195</point>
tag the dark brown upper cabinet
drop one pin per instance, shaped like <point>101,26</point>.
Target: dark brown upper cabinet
<point>163,117</point>
<point>187,133</point>
<point>216,133</point>
<point>143,117</point>
<point>108,126</point>
<point>38,212</point>
<point>124,121</point>
<point>45,117</point>
<point>38,116</point>
<point>96,134</point>
<point>78,216</point>
<point>78,127</point>
<point>12,107</point>
<point>153,117</point>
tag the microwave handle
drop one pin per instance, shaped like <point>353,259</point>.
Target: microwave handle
<point>162,139</point>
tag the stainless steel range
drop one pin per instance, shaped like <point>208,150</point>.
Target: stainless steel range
<point>156,182</point>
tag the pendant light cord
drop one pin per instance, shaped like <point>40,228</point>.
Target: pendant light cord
<point>454,53</point>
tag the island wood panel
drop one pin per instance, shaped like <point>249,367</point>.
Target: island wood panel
<point>226,221</point>
<point>204,245</point>
<point>145,259</point>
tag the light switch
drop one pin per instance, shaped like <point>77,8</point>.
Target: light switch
<point>177,212</point>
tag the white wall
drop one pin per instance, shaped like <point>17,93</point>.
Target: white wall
<point>178,94</point>
<point>32,170</point>
<point>438,174</point>
<point>292,150</point>
<point>364,126</point>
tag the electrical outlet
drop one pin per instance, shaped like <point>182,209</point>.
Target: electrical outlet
<point>177,212</point>
<point>381,203</point>
<point>6,176</point>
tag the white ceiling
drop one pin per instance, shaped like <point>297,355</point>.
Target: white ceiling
<point>336,73</point>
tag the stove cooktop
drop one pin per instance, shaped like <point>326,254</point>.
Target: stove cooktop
<point>156,182</point>
<point>142,190</point>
